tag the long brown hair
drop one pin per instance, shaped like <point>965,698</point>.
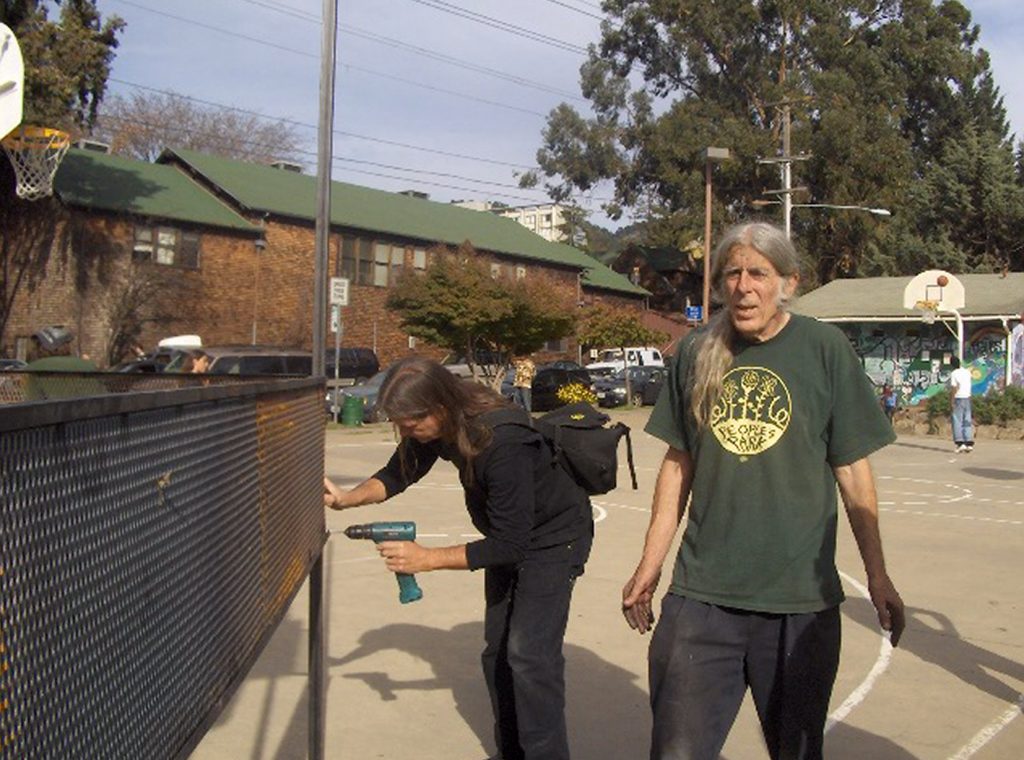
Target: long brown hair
<point>714,349</point>
<point>417,386</point>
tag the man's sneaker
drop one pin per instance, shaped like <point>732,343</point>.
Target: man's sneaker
<point>961,449</point>
<point>968,448</point>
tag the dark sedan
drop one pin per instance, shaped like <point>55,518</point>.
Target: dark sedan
<point>611,391</point>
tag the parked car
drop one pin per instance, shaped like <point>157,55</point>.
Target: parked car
<point>547,381</point>
<point>10,364</point>
<point>367,391</point>
<point>355,365</point>
<point>253,360</point>
<point>611,391</point>
<point>636,356</point>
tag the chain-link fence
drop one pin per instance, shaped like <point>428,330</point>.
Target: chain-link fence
<point>153,531</point>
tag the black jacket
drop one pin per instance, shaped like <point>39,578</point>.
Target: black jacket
<point>517,497</point>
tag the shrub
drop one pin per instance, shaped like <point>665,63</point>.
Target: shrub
<point>994,409</point>
<point>575,392</point>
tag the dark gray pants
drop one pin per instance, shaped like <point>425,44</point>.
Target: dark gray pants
<point>703,658</point>
<point>524,627</point>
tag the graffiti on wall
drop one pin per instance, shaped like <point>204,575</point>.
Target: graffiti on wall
<point>916,359</point>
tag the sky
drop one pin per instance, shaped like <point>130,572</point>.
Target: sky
<point>446,97</point>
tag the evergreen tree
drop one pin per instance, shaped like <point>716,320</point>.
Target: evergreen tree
<point>876,95</point>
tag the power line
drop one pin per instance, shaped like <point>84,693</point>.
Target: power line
<point>574,9</point>
<point>342,133</point>
<point>369,36</point>
<point>269,148</point>
<point>505,26</point>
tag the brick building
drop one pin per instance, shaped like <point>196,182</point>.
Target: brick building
<point>226,249</point>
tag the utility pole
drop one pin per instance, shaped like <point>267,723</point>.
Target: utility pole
<point>785,162</point>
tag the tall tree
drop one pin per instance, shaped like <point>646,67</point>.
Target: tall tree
<point>872,93</point>
<point>458,305</point>
<point>67,62</point>
<point>142,124</point>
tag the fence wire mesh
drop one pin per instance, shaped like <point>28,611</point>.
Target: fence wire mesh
<point>150,542</point>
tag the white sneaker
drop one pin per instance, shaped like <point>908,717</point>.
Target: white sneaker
<point>961,449</point>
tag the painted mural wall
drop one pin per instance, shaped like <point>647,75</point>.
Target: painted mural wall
<point>915,358</point>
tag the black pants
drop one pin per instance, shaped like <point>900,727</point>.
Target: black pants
<point>702,659</point>
<point>524,627</point>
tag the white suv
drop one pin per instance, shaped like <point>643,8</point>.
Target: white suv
<point>611,359</point>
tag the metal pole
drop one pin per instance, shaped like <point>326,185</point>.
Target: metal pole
<point>787,175</point>
<point>325,136</point>
<point>705,311</point>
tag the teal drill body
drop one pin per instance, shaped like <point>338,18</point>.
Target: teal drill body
<point>408,589</point>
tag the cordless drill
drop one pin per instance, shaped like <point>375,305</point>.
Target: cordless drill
<point>408,589</point>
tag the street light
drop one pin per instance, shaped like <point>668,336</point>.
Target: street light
<point>710,156</point>
<point>868,209</point>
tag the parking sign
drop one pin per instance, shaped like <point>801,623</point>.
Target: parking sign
<point>339,291</point>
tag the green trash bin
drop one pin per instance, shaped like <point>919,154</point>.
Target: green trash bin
<point>352,411</point>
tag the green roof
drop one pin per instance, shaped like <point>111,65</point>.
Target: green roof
<point>986,296</point>
<point>266,189</point>
<point>120,185</point>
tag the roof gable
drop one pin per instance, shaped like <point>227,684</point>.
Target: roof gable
<point>97,181</point>
<point>867,298</point>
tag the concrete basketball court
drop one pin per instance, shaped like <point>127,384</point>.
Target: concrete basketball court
<point>403,681</point>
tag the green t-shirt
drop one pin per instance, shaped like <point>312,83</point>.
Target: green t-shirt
<point>761,529</point>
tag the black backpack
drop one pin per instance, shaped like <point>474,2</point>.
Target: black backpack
<point>581,443</point>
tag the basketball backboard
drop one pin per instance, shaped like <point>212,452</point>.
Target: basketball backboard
<point>12,81</point>
<point>934,290</point>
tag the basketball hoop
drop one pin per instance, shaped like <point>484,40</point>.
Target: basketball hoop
<point>36,153</point>
<point>929,311</point>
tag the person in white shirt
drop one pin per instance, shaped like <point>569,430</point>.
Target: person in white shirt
<point>963,429</point>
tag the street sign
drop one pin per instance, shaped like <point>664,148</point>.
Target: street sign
<point>335,318</point>
<point>694,313</point>
<point>339,291</point>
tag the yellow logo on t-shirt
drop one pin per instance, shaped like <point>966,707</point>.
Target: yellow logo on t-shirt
<point>753,411</point>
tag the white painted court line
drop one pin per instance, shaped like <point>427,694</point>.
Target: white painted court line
<point>881,665</point>
<point>969,518</point>
<point>989,732</point>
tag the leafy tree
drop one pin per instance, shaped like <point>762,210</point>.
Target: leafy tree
<point>457,305</point>
<point>619,328</point>
<point>876,95</point>
<point>67,62</point>
<point>143,124</point>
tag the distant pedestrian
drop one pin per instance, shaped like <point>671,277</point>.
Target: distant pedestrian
<point>522,383</point>
<point>888,401</point>
<point>963,427</point>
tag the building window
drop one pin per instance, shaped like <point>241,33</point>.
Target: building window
<point>520,272</point>
<point>167,246</point>
<point>495,271</point>
<point>397,263</point>
<point>381,261</point>
<point>531,221</point>
<point>364,263</point>
<point>557,346</point>
<point>347,262</point>
<point>419,260</point>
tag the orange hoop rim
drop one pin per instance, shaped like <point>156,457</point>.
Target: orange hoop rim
<point>30,138</point>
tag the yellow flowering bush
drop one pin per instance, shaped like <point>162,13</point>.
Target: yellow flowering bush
<point>573,393</point>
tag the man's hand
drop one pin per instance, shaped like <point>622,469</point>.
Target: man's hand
<point>637,599</point>
<point>889,607</point>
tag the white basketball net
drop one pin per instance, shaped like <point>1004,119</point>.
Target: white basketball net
<point>35,153</point>
<point>929,311</point>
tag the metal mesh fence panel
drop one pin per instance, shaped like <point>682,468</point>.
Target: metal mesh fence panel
<point>150,542</point>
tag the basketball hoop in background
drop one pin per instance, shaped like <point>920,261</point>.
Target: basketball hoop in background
<point>35,153</point>
<point>937,292</point>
